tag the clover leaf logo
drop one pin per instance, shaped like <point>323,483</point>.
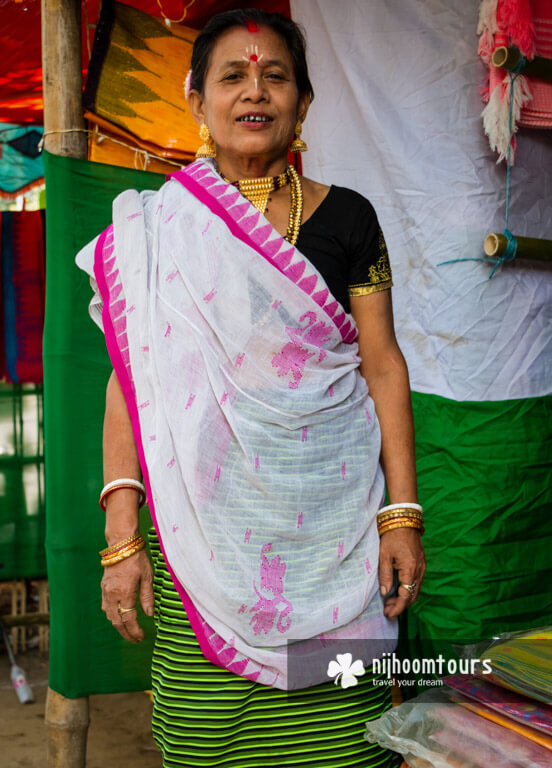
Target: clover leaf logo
<point>346,670</point>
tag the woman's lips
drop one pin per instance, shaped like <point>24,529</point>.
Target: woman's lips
<point>255,122</point>
<point>254,117</point>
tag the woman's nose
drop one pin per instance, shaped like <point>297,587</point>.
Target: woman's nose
<point>255,89</point>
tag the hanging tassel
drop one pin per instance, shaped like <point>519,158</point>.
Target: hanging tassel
<point>496,115</point>
<point>486,29</point>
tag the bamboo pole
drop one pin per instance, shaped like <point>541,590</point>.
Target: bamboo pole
<point>26,620</point>
<point>62,78</point>
<point>66,719</point>
<point>67,729</point>
<point>509,58</point>
<point>527,247</point>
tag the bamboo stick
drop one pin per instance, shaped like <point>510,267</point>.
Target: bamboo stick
<point>62,78</point>
<point>26,620</point>
<point>527,247</point>
<point>67,726</point>
<point>509,58</point>
<point>66,719</point>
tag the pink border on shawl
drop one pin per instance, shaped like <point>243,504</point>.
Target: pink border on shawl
<point>202,630</point>
<point>191,179</point>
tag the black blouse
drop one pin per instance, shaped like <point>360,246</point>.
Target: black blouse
<point>344,241</point>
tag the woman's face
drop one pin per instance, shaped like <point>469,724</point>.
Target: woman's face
<point>250,100</point>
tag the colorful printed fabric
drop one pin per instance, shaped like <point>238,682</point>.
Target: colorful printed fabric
<point>524,664</point>
<point>482,711</point>
<point>20,38</point>
<point>136,81</point>
<point>21,165</point>
<point>22,262</point>
<point>204,716</point>
<point>266,416</point>
<point>513,705</point>
<point>432,731</point>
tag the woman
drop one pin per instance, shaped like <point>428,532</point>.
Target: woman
<point>239,395</point>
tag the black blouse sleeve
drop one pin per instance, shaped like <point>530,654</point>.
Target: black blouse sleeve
<point>369,269</point>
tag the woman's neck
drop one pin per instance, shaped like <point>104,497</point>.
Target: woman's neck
<point>250,167</point>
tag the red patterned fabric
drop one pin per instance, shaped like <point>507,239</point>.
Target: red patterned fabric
<point>528,25</point>
<point>22,295</point>
<point>20,40</point>
<point>538,113</point>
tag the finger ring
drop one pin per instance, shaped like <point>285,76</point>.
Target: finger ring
<point>121,611</point>
<point>410,588</point>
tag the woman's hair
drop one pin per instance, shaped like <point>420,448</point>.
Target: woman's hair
<point>288,30</point>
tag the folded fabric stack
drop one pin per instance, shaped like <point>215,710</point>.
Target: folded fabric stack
<point>522,662</point>
<point>475,723</point>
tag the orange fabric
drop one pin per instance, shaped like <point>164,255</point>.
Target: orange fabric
<point>528,733</point>
<point>104,146</point>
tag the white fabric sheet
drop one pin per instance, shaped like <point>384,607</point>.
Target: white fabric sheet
<point>397,117</point>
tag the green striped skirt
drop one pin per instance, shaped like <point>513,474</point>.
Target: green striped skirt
<point>204,715</point>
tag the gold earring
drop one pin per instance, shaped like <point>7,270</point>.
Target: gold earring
<point>207,149</point>
<point>298,145</point>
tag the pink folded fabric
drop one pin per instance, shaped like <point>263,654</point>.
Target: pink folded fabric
<point>521,708</point>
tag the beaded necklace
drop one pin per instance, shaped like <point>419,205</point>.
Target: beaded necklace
<point>257,191</point>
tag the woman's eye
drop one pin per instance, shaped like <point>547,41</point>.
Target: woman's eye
<point>232,76</point>
<point>275,76</point>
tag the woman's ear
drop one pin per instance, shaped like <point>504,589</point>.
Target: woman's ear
<point>303,107</point>
<point>195,103</point>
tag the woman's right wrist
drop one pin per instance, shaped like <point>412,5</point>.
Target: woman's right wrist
<point>121,515</point>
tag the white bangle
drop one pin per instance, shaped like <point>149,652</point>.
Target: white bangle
<point>123,482</point>
<point>404,505</point>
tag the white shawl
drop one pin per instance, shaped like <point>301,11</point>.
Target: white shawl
<point>258,440</point>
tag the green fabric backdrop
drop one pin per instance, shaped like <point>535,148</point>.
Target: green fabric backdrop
<point>22,515</point>
<point>483,473</point>
<point>86,654</point>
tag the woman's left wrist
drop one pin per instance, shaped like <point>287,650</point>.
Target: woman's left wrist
<point>405,514</point>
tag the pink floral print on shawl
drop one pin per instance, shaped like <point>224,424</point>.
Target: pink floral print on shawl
<point>267,610</point>
<point>293,356</point>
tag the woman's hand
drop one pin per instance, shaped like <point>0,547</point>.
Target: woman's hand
<point>401,550</point>
<point>121,584</point>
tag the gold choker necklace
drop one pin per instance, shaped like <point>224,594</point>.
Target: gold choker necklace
<point>257,191</point>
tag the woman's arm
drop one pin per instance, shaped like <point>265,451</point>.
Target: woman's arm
<point>384,368</point>
<point>122,582</point>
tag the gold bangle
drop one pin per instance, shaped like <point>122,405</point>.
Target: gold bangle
<point>400,524</point>
<point>139,543</point>
<point>115,547</point>
<point>410,520</point>
<point>402,521</point>
<point>416,520</point>
<point>396,528</point>
<point>122,555</point>
<point>414,514</point>
<point>400,511</point>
